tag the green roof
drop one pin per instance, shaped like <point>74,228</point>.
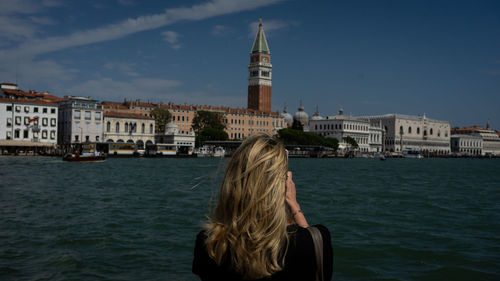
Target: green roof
<point>260,43</point>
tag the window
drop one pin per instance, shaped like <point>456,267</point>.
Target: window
<point>35,134</point>
<point>18,108</point>
<point>183,118</point>
<point>17,133</point>
<point>108,126</point>
<point>87,138</point>
<point>26,120</point>
<point>52,110</point>
<point>87,115</point>
<point>52,135</point>
<point>150,128</point>
<point>44,134</point>
<point>26,134</point>
<point>117,127</point>
<point>18,120</point>
<point>44,111</point>
<point>97,138</point>
<point>98,126</point>
<point>53,122</point>
<point>26,109</point>
<point>87,126</point>
<point>9,107</point>
<point>254,73</point>
<point>77,114</point>
<point>9,134</point>
<point>76,137</point>
<point>126,127</point>
<point>143,128</point>
<point>418,131</point>
<point>9,122</point>
<point>409,130</point>
<point>431,131</point>
<point>45,121</point>
<point>97,116</point>
<point>35,109</point>
<point>265,73</point>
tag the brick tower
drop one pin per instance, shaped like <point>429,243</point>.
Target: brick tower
<point>260,73</point>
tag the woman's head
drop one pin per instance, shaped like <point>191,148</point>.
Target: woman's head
<point>250,217</point>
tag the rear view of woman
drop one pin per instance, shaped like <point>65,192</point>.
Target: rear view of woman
<point>257,230</point>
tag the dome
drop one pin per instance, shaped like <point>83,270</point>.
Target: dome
<point>316,115</point>
<point>301,116</point>
<point>171,129</point>
<point>288,117</point>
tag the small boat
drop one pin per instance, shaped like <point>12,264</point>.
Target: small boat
<point>219,152</point>
<point>412,153</point>
<point>204,151</point>
<point>75,157</point>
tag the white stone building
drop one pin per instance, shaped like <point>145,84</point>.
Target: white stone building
<point>129,127</point>
<point>30,123</point>
<point>467,145</point>
<point>80,120</point>
<point>414,132</point>
<point>490,138</point>
<point>184,142</point>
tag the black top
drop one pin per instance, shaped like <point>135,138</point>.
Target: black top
<point>300,260</point>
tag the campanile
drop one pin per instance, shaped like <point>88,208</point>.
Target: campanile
<point>260,73</point>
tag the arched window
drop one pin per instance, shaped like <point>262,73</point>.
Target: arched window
<point>108,126</point>
<point>150,128</point>
<point>418,131</point>
<point>143,128</point>
<point>126,127</point>
<point>117,127</point>
<point>401,130</point>
<point>409,130</point>
<point>430,131</point>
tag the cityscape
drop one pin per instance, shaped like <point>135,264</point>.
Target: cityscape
<point>40,122</point>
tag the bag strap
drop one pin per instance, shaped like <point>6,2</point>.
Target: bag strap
<point>318,249</point>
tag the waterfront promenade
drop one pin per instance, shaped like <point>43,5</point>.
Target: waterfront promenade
<point>137,218</point>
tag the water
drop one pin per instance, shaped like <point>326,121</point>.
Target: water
<point>136,219</point>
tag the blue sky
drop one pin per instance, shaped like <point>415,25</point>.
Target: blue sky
<point>441,58</point>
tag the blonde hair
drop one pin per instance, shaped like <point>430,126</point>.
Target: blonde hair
<point>250,217</point>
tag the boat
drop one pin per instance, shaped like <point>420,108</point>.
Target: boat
<point>76,157</point>
<point>219,152</point>
<point>204,151</point>
<point>412,153</point>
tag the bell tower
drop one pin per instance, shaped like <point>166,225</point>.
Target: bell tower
<point>260,73</point>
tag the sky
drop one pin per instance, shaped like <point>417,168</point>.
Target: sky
<point>438,58</point>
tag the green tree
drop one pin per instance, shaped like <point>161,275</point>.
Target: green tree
<point>332,143</point>
<point>162,117</point>
<point>208,119</point>
<point>297,137</point>
<point>352,142</point>
<point>211,134</point>
<point>296,125</point>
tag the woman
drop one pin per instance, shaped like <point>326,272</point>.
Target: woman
<point>257,230</point>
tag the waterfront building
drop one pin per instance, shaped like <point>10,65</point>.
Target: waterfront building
<point>129,127</point>
<point>260,74</point>
<point>80,120</point>
<point>27,124</point>
<point>340,126</point>
<point>28,120</point>
<point>490,138</point>
<point>184,142</point>
<point>414,132</point>
<point>467,145</point>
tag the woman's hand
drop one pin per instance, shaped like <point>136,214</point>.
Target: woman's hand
<point>291,201</point>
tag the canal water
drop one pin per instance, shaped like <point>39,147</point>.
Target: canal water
<point>136,219</point>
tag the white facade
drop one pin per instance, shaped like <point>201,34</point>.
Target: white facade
<point>414,132</point>
<point>33,122</point>
<point>172,136</point>
<point>340,126</point>
<point>129,127</point>
<point>469,145</point>
<point>80,120</point>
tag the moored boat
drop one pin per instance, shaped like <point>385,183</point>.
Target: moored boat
<point>75,157</point>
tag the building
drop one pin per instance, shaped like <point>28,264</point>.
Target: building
<point>490,138</point>
<point>80,120</point>
<point>129,127</point>
<point>184,142</point>
<point>27,124</point>
<point>302,117</point>
<point>260,74</point>
<point>467,145</point>
<point>340,126</point>
<point>28,120</point>
<point>414,132</point>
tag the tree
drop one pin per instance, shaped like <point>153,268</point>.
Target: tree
<point>297,125</point>
<point>297,137</point>
<point>207,119</point>
<point>211,134</point>
<point>352,142</point>
<point>162,117</point>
